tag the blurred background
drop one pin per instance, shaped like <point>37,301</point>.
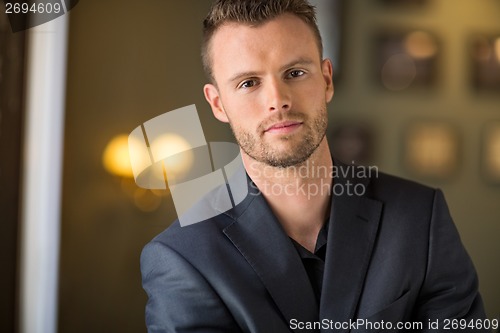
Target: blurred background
<point>417,93</point>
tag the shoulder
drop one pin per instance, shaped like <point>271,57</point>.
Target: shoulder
<point>184,245</point>
<point>194,235</point>
<point>408,206</point>
<point>372,183</point>
<point>378,184</point>
<point>407,194</point>
<point>202,221</point>
<point>386,185</point>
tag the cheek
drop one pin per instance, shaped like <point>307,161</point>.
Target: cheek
<point>240,117</point>
<point>310,95</point>
<point>243,110</point>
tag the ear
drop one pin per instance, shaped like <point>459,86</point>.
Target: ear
<point>213,98</point>
<point>327,70</point>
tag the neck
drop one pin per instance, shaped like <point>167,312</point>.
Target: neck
<point>298,195</point>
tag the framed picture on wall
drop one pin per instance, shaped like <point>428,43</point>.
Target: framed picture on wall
<point>405,59</point>
<point>431,150</point>
<point>485,62</point>
<point>490,152</point>
<point>353,142</point>
<point>404,3</point>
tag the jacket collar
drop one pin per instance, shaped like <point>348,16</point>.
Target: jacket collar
<point>261,240</point>
<point>267,248</point>
<point>354,222</point>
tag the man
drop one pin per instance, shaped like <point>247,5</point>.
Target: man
<point>293,256</point>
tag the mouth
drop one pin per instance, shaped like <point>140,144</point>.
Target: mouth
<point>283,127</point>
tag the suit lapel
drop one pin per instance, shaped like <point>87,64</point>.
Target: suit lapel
<point>354,223</point>
<point>261,240</point>
<point>263,243</point>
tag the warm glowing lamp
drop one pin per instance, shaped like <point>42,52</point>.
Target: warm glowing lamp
<point>177,149</point>
<point>497,48</point>
<point>432,149</point>
<point>167,155</point>
<point>420,45</point>
<point>493,153</point>
<point>116,158</point>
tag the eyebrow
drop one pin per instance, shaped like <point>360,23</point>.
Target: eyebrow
<point>300,61</point>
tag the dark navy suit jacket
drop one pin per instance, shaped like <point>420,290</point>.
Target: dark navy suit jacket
<point>393,255</point>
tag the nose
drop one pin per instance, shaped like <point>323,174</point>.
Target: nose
<point>278,96</point>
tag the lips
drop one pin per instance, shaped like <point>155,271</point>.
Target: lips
<point>283,125</point>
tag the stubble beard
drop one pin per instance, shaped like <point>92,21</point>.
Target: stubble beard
<point>255,145</point>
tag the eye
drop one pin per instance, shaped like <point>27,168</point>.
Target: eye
<point>248,84</point>
<point>295,73</point>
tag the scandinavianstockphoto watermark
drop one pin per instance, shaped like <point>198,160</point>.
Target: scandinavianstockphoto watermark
<point>310,180</point>
<point>171,152</point>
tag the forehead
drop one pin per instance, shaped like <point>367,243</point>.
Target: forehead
<point>276,41</point>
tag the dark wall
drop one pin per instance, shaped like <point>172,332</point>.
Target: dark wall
<point>128,61</point>
<point>11,117</point>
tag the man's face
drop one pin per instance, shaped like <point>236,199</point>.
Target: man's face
<point>272,88</point>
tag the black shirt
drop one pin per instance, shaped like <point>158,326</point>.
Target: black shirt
<point>314,263</point>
